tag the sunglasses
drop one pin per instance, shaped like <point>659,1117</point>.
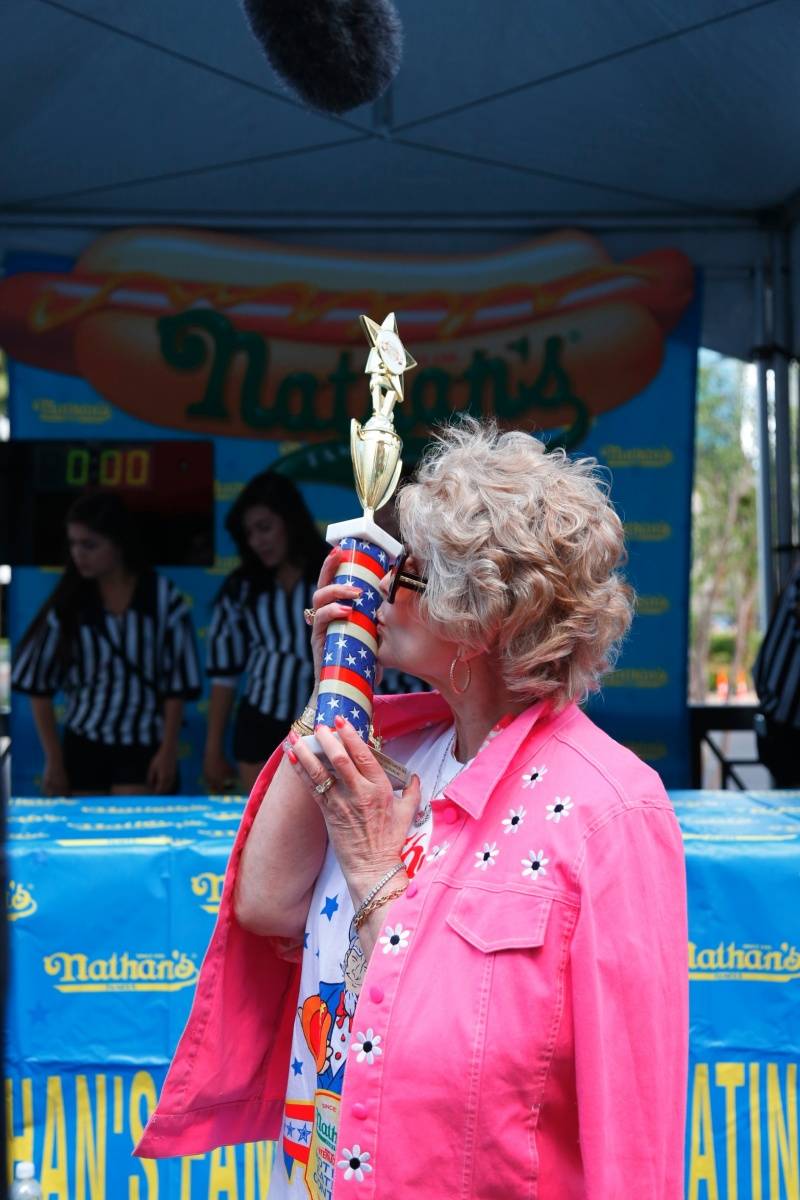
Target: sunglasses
<point>401,578</point>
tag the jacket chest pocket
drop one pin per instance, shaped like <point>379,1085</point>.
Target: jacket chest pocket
<point>495,921</point>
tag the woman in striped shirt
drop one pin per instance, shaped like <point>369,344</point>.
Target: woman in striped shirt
<point>117,639</point>
<point>257,628</point>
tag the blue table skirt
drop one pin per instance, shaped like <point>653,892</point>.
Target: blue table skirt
<point>111,903</point>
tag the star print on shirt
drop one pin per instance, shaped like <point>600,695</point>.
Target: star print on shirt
<point>297,1066</point>
<point>304,1134</point>
<point>305,940</point>
<point>329,908</point>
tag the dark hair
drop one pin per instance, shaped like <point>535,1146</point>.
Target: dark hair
<point>103,513</point>
<point>278,493</point>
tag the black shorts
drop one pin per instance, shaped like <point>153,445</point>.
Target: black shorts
<point>96,767</point>
<point>256,735</point>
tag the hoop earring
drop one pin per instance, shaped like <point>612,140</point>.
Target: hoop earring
<point>456,688</point>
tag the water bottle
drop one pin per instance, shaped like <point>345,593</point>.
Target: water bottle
<point>25,1185</point>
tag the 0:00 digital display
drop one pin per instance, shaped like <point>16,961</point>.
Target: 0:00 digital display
<point>115,468</point>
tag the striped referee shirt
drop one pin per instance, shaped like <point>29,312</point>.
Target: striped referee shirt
<point>776,672</point>
<point>120,668</point>
<point>261,633</point>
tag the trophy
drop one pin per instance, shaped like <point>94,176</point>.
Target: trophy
<point>347,677</point>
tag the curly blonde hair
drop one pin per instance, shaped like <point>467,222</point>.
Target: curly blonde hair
<point>521,549</point>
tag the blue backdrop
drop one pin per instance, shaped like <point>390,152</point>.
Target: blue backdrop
<point>647,443</point>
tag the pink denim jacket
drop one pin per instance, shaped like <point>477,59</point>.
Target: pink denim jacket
<point>534,1018</point>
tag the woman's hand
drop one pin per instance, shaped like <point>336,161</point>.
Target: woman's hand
<point>162,770</point>
<point>219,774</point>
<point>55,781</point>
<point>366,823</point>
<point>328,604</point>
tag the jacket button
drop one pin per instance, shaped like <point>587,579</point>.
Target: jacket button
<point>412,890</point>
<point>360,1112</point>
<point>376,994</point>
<point>450,814</point>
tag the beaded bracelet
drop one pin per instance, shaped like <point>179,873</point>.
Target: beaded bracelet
<point>368,909</point>
<point>374,891</point>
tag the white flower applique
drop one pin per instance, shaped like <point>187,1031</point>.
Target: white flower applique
<point>395,939</point>
<point>534,776</point>
<point>485,858</point>
<point>355,1162</point>
<point>514,819</point>
<point>437,852</point>
<point>559,808</point>
<point>534,865</point>
<point>366,1046</point>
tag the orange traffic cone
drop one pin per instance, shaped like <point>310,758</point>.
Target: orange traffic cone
<point>723,685</point>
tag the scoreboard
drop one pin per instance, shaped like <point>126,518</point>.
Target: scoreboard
<point>168,485</point>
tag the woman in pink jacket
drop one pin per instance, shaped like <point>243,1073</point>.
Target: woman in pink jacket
<point>475,989</point>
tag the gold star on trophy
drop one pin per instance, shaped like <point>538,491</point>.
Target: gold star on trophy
<point>388,360</point>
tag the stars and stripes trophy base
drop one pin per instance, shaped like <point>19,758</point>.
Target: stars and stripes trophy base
<point>347,677</point>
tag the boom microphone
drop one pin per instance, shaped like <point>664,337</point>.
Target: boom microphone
<point>336,54</point>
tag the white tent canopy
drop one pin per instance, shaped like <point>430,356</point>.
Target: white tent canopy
<point>651,122</point>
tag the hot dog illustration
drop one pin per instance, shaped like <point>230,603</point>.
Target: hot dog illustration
<point>235,336</point>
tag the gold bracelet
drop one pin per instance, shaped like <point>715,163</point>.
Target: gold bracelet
<point>301,729</point>
<point>370,908</point>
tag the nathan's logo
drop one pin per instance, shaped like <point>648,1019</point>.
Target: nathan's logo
<point>761,964</point>
<point>121,972</point>
<point>208,887</point>
<point>19,902</point>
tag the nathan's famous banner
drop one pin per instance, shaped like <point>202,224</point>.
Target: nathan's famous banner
<point>95,1008</point>
<point>743,869</point>
<point>169,333</point>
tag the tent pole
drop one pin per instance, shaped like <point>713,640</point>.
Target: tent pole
<point>783,433</point>
<point>766,575</point>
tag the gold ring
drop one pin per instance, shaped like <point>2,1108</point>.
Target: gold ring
<point>326,785</point>
<point>308,615</point>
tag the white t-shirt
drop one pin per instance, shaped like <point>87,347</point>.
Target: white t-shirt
<point>332,971</point>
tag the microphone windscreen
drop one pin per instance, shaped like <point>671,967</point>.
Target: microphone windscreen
<point>336,54</point>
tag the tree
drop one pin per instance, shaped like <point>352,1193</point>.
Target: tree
<point>725,549</point>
